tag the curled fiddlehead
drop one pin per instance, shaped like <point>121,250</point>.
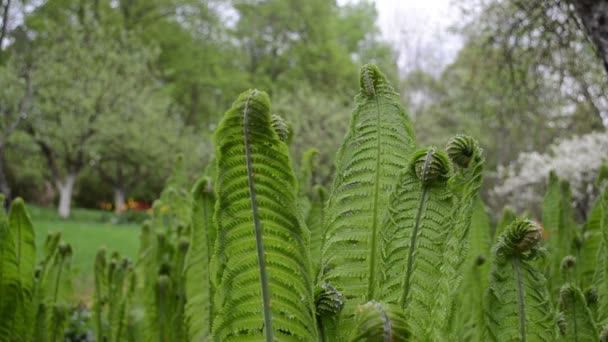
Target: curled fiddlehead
<point>329,301</point>
<point>280,127</point>
<point>461,149</point>
<point>431,166</point>
<point>378,322</point>
<point>521,239</point>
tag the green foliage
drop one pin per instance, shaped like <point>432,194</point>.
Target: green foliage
<point>374,151</point>
<point>518,306</point>
<point>114,291</point>
<point>257,220</point>
<point>376,322</point>
<point>200,286</point>
<point>399,250</point>
<point>468,310</point>
<point>558,221</point>
<point>17,264</point>
<point>576,320</point>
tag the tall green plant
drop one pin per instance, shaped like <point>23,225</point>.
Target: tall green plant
<point>17,265</point>
<point>517,301</point>
<point>264,272</point>
<point>200,286</point>
<point>375,150</point>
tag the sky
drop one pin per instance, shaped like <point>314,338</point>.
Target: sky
<point>419,31</point>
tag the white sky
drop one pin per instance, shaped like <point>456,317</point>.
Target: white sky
<point>419,31</point>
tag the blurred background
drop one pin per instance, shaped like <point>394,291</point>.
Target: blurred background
<point>99,97</point>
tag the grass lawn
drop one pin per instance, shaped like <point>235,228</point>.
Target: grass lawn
<point>87,231</point>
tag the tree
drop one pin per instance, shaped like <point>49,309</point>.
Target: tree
<point>594,16</point>
<point>87,78</point>
<point>15,101</point>
<point>140,144</point>
<point>577,160</point>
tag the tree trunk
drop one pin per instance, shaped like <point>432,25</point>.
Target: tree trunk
<point>65,194</point>
<point>119,200</point>
<point>5,188</point>
<point>594,15</point>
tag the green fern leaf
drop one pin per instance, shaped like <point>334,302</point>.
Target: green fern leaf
<point>314,221</point>
<point>17,269</point>
<point>375,150</point>
<point>413,239</point>
<point>558,220</point>
<point>307,168</point>
<point>58,293</point>
<point>100,295</point>
<point>467,157</point>
<point>468,309</point>
<point>576,320</point>
<point>591,240</point>
<point>376,322</point>
<point>600,279</point>
<point>199,287</point>
<point>262,240</point>
<point>517,301</point>
<point>579,324</point>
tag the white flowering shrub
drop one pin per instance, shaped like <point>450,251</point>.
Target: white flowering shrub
<point>576,160</point>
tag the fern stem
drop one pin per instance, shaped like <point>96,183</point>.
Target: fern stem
<point>520,297</point>
<point>256,222</point>
<point>421,209</point>
<point>372,260</point>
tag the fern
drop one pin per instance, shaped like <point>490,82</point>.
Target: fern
<point>517,301</point>
<point>58,294</point>
<point>262,241</point>
<point>576,320</point>
<point>50,251</point>
<point>374,151</point>
<point>591,239</point>
<point>377,322</point>
<point>100,295</point>
<point>558,220</point>
<point>467,157</point>
<point>314,221</point>
<point>468,309</point>
<point>413,239</point>
<point>600,279</point>
<point>199,287</point>
<point>17,265</point>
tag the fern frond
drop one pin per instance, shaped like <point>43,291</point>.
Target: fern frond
<point>467,157</point>
<point>377,322</point>
<point>591,239</point>
<point>100,295</point>
<point>17,269</point>
<point>314,221</point>
<point>468,309</point>
<point>517,301</point>
<point>58,293</point>
<point>199,287</point>
<point>558,220</point>
<point>413,239</point>
<point>280,127</point>
<point>600,278</point>
<point>375,150</point>
<point>307,167</point>
<point>578,321</point>
<point>262,240</point>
